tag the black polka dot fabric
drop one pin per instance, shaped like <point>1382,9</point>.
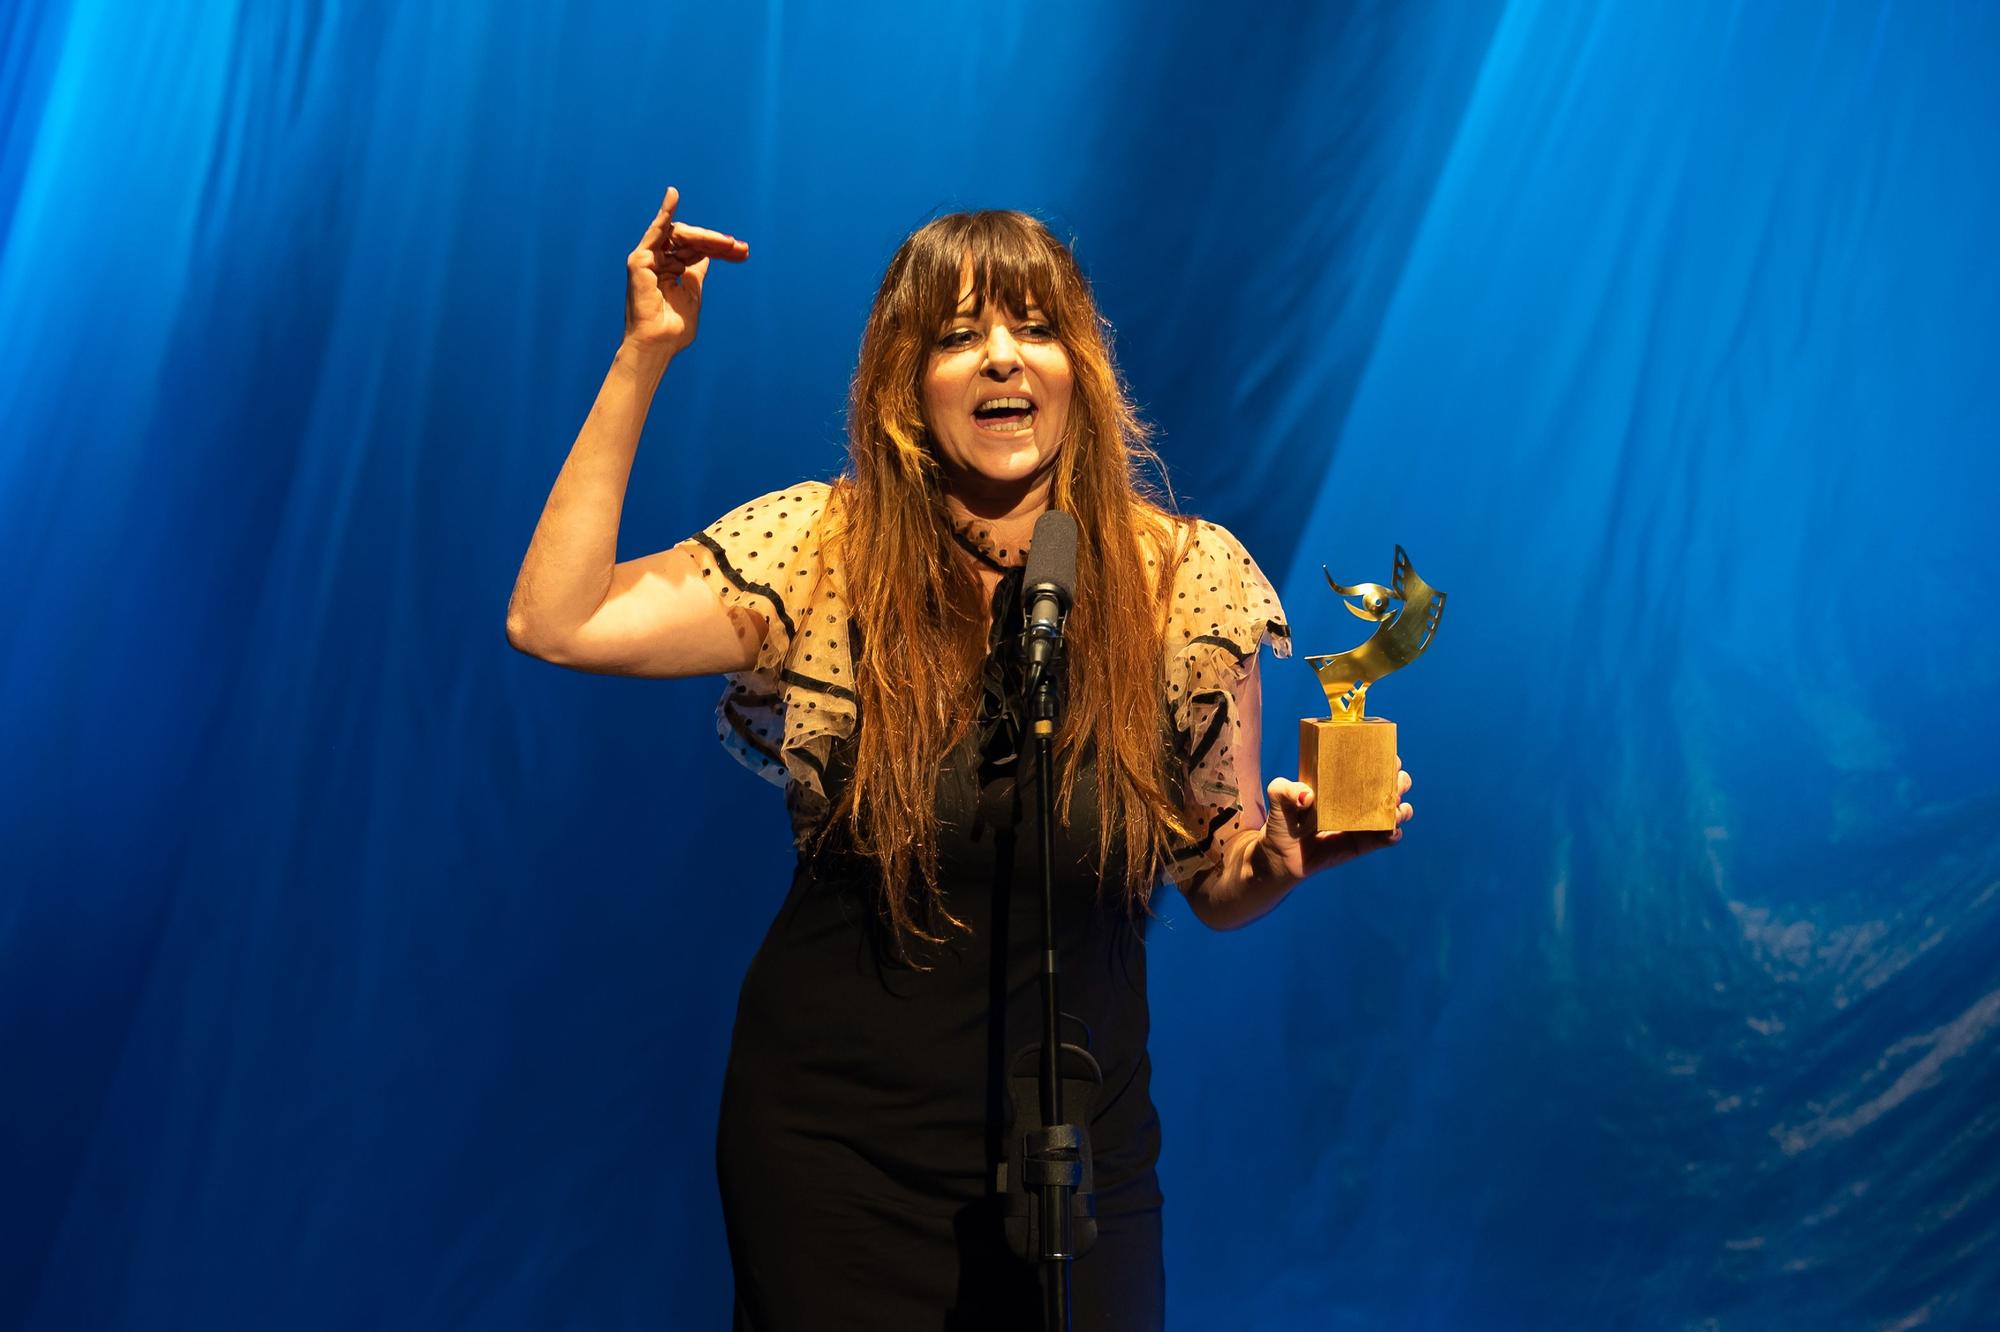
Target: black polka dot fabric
<point>1220,611</point>
<point>781,717</point>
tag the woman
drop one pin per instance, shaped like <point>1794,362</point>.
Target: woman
<point>867,629</point>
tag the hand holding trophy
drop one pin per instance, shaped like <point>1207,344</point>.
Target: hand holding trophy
<point>1349,759</point>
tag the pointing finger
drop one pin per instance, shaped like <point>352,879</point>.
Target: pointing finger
<point>709,244</point>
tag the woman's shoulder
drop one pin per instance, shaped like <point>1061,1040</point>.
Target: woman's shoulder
<point>800,502</point>
<point>1191,547</point>
<point>1217,592</point>
<point>773,531</point>
<point>1211,542</point>
<point>771,551</point>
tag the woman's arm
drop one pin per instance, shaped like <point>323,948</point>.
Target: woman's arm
<point>1269,855</point>
<point>573,603</point>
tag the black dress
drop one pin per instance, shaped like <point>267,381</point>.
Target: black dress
<point>864,1104</point>
<point>864,1108</point>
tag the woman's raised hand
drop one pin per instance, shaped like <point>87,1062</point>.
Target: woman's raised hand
<point>664,278</point>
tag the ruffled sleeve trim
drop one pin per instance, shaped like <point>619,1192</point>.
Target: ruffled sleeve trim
<point>783,716</point>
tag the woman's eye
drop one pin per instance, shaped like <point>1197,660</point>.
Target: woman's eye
<point>1037,332</point>
<point>956,338</point>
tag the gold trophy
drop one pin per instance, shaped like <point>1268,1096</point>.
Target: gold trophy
<point>1349,760</point>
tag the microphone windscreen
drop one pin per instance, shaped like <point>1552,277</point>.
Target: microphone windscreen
<point>1052,555</point>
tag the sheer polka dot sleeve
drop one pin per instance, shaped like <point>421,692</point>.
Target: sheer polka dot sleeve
<point>1221,611</point>
<point>781,717</point>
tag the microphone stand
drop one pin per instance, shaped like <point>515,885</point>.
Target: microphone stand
<point>1051,1158</point>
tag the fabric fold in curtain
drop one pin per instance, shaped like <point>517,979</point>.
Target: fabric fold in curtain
<point>356,971</point>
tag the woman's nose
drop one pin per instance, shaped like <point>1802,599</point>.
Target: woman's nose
<point>1003,354</point>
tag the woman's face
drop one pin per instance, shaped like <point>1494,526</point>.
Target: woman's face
<point>996,396</point>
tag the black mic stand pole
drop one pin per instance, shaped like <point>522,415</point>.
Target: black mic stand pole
<point>1054,1155</point>
<point>1051,1214</point>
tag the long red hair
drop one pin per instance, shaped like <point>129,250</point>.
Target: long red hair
<point>910,584</point>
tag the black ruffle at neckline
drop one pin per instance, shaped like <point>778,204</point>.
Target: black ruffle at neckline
<point>977,536</point>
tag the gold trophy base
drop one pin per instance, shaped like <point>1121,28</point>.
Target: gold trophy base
<point>1351,767</point>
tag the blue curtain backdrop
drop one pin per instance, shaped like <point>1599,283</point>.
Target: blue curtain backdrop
<point>356,971</point>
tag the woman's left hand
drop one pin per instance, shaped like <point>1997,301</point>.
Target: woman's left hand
<point>1297,852</point>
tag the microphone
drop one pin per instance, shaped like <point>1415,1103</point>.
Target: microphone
<point>1048,588</point>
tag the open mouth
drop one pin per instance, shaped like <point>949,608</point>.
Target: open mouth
<point>1005,416</point>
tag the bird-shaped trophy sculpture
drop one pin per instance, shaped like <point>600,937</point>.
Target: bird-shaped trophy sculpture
<point>1349,760</point>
